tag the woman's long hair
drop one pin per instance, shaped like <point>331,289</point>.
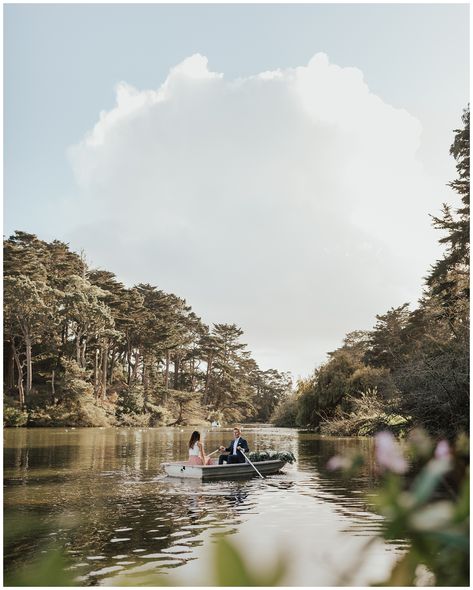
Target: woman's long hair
<point>195,436</point>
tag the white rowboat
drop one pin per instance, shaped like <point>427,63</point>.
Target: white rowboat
<point>225,471</point>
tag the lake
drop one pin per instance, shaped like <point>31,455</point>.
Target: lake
<point>100,495</point>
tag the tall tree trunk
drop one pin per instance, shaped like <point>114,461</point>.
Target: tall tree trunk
<point>96,372</point>
<point>19,366</point>
<point>207,379</point>
<point>82,355</point>
<point>29,367</point>
<point>21,391</point>
<point>11,368</point>
<point>104,369</point>
<point>134,374</point>
<point>145,381</point>
<point>176,371</point>
<point>166,373</point>
<point>128,360</point>
<point>53,388</point>
<point>192,373</point>
<point>111,365</point>
<point>78,337</point>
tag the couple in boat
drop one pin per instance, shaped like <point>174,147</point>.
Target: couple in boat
<point>231,454</point>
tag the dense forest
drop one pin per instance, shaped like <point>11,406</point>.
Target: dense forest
<point>412,368</point>
<point>82,349</point>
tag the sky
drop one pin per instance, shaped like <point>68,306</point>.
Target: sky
<point>274,165</point>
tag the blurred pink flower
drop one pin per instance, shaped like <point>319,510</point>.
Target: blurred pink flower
<point>442,450</point>
<point>337,462</point>
<point>388,453</point>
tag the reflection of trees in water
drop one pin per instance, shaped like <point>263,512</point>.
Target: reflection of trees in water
<point>87,484</point>
<point>348,493</point>
<point>133,520</point>
<point>166,519</point>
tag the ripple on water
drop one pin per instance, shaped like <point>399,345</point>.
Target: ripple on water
<point>125,562</point>
<point>177,549</point>
<point>106,570</point>
<point>156,556</point>
<point>187,513</point>
<point>152,565</point>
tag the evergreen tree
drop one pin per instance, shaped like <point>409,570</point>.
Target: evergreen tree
<point>449,277</point>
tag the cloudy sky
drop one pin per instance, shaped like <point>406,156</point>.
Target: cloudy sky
<point>275,165</point>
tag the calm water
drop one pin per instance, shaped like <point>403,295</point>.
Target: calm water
<point>100,494</point>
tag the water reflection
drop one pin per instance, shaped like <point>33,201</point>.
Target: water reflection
<point>101,495</point>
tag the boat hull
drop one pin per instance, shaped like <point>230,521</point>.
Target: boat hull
<point>225,471</point>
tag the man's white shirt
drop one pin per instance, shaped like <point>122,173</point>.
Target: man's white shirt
<point>235,444</point>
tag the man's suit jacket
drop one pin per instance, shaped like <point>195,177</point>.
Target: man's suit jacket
<point>241,443</point>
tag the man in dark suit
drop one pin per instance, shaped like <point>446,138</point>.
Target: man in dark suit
<point>234,449</point>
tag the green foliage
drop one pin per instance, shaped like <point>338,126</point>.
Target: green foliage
<point>99,353</point>
<point>387,345</point>
<point>89,413</point>
<point>230,569</point>
<point>159,415</point>
<point>73,383</point>
<point>49,570</point>
<point>285,413</point>
<point>449,276</point>
<point>75,404</point>
<point>369,414</point>
<point>81,412</point>
<point>228,388</point>
<point>13,415</point>
<point>185,407</point>
<point>130,400</point>
<point>272,389</point>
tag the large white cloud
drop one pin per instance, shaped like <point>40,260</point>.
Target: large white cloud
<point>291,202</point>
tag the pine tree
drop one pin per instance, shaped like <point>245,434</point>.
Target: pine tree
<point>449,277</point>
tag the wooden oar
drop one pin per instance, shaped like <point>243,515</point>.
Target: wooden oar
<point>213,453</point>
<point>244,455</point>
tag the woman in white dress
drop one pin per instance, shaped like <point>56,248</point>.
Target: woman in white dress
<point>196,450</point>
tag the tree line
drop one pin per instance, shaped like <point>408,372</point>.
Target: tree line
<point>412,368</point>
<point>81,348</point>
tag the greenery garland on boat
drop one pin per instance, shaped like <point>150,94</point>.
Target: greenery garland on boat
<point>272,456</point>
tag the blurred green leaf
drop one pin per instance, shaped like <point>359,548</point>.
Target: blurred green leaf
<point>403,573</point>
<point>432,517</point>
<point>429,478</point>
<point>231,570</point>
<point>47,570</point>
<point>462,511</point>
<point>453,540</point>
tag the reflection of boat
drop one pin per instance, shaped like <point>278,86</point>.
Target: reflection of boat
<point>225,471</point>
